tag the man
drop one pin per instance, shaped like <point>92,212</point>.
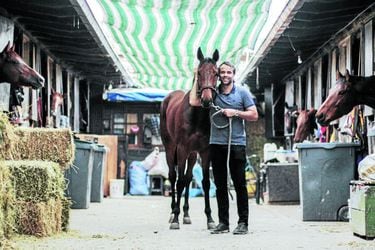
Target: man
<point>237,104</point>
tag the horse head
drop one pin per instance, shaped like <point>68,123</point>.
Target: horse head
<point>15,71</point>
<point>305,124</point>
<point>339,102</point>
<point>207,75</point>
<point>290,118</point>
<point>57,100</point>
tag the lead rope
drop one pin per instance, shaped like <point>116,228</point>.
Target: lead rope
<point>229,141</point>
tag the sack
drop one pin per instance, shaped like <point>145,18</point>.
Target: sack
<point>160,167</point>
<point>152,159</point>
<point>138,179</point>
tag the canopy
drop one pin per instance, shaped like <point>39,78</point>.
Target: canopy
<point>135,95</point>
<point>157,40</point>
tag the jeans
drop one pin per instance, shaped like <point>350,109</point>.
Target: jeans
<point>237,164</point>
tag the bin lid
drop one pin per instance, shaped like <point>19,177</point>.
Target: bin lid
<point>101,148</point>
<point>360,182</point>
<point>326,145</point>
<point>83,144</point>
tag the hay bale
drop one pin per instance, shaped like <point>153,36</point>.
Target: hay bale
<point>7,204</point>
<point>46,144</point>
<point>36,180</point>
<point>39,218</point>
<point>65,216</point>
<point>7,137</point>
<point>39,206</point>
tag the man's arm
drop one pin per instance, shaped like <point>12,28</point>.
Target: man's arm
<point>250,114</point>
<point>193,97</point>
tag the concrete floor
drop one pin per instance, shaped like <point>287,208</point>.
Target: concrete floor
<point>141,222</point>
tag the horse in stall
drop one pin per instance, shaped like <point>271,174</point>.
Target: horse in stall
<point>57,101</point>
<point>289,118</point>
<point>15,71</point>
<point>185,131</point>
<point>305,124</point>
<point>349,92</point>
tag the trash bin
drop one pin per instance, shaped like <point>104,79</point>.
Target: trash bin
<point>325,171</point>
<point>79,175</point>
<point>97,180</point>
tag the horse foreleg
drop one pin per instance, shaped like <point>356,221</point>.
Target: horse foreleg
<point>172,179</point>
<point>206,190</point>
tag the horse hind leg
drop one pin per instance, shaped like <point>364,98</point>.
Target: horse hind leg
<point>187,178</point>
<point>173,220</point>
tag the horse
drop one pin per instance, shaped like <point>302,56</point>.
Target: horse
<point>289,118</point>
<point>185,131</point>
<point>349,92</point>
<point>15,71</point>
<point>305,124</point>
<point>57,101</point>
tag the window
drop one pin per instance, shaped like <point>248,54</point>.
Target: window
<point>126,124</point>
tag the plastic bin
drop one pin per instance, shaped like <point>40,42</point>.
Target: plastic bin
<point>98,169</point>
<point>325,171</point>
<point>362,208</point>
<point>79,175</point>
<point>282,184</point>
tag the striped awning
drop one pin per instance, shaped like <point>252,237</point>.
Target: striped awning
<point>157,40</point>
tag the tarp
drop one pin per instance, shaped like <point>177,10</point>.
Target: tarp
<point>157,40</point>
<point>135,95</point>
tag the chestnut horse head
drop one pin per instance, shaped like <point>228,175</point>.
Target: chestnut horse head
<point>349,92</point>
<point>57,101</point>
<point>305,124</point>
<point>15,71</point>
<point>207,76</point>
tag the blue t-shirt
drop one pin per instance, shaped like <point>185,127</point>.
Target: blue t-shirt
<point>239,98</point>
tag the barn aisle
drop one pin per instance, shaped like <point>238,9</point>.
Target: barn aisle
<point>140,222</point>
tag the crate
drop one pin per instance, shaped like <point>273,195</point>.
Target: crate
<point>282,182</point>
<point>362,208</point>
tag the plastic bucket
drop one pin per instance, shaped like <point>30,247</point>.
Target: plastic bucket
<point>116,188</point>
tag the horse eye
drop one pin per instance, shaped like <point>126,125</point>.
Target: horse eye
<point>342,92</point>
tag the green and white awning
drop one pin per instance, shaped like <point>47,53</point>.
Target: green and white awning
<point>157,40</point>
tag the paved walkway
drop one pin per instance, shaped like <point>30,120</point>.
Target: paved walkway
<point>141,222</point>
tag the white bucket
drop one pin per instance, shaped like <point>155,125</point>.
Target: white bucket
<point>116,188</point>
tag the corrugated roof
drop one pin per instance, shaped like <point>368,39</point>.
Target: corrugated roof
<point>158,40</point>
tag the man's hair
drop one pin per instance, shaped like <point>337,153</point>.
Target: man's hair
<point>228,64</point>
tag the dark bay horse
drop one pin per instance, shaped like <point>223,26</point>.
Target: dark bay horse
<point>185,131</point>
<point>289,118</point>
<point>349,92</point>
<point>15,71</point>
<point>305,124</point>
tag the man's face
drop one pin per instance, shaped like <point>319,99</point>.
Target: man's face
<point>226,74</point>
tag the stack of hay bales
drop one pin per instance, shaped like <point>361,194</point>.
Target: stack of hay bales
<point>32,184</point>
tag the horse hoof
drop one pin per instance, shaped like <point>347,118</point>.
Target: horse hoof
<point>187,220</point>
<point>174,226</point>
<point>211,225</point>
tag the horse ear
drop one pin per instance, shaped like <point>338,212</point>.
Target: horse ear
<point>338,75</point>
<point>347,75</point>
<point>216,55</point>
<point>6,48</point>
<point>295,113</point>
<point>200,54</point>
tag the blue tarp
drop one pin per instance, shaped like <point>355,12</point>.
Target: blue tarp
<point>135,95</point>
